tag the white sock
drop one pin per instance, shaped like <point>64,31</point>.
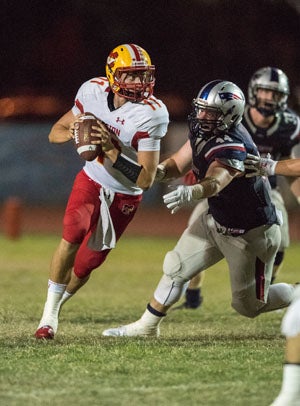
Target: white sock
<point>290,389</point>
<point>150,320</point>
<point>51,308</point>
<point>65,297</point>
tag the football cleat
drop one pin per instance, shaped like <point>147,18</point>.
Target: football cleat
<point>135,329</point>
<point>44,332</point>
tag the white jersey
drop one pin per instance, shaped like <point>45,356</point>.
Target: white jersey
<point>137,127</point>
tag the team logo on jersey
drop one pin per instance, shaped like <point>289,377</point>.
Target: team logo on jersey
<point>119,120</point>
<point>229,96</point>
<point>127,209</point>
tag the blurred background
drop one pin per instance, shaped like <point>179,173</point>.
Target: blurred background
<point>48,49</point>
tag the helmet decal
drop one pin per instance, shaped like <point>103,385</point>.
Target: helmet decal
<point>229,96</point>
<point>112,59</point>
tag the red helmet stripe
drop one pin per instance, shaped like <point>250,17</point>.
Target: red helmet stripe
<point>136,51</point>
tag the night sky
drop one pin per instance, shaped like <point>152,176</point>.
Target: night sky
<point>51,47</point>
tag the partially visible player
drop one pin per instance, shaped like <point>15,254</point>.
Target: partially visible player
<point>107,191</point>
<point>290,390</point>
<point>275,129</point>
<point>241,223</point>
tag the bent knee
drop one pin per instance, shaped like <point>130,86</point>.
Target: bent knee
<point>75,225</point>
<point>245,308</point>
<point>173,267</point>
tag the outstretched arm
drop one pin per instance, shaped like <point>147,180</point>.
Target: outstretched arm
<point>267,166</point>
<point>217,178</point>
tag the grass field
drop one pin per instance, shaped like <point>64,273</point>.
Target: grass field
<point>210,356</point>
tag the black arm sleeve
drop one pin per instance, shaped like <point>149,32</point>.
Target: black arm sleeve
<point>128,167</point>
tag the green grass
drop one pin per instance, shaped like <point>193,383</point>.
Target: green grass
<point>211,356</point>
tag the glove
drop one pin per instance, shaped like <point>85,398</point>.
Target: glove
<point>259,166</point>
<point>160,173</point>
<point>178,198</point>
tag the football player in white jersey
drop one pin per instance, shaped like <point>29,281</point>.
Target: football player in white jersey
<point>107,191</point>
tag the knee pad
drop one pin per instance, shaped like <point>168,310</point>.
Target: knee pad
<point>245,308</point>
<point>279,258</point>
<point>173,267</point>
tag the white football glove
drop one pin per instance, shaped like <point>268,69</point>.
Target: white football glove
<point>259,166</point>
<point>178,198</point>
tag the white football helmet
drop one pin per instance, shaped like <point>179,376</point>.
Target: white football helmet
<point>270,79</point>
<point>220,99</point>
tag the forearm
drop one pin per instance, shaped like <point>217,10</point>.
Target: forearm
<point>141,173</point>
<point>207,187</point>
<point>168,170</point>
<point>59,134</point>
<point>289,167</point>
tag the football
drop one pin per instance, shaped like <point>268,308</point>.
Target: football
<point>83,137</point>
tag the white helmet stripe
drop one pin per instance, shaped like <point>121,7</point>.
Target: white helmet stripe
<point>136,54</point>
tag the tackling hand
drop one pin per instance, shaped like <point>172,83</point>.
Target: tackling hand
<point>178,198</point>
<point>259,166</point>
<point>160,173</point>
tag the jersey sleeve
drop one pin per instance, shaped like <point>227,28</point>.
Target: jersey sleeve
<point>154,119</point>
<point>87,92</point>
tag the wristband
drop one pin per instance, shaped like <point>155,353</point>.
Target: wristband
<point>128,167</point>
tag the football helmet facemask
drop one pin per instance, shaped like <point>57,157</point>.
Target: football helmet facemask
<point>273,79</point>
<point>125,64</point>
<point>218,107</point>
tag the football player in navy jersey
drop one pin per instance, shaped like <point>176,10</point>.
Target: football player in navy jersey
<point>275,130</point>
<point>241,223</point>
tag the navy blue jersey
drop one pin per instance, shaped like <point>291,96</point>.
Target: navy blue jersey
<point>277,140</point>
<point>245,203</point>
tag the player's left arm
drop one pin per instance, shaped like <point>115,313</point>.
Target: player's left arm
<point>217,177</point>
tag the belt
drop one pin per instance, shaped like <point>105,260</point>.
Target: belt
<point>233,232</point>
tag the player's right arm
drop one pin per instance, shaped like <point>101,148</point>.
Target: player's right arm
<point>62,130</point>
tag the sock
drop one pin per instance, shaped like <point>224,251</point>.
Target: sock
<point>152,317</point>
<point>193,297</point>
<point>51,308</point>
<point>66,296</point>
<point>290,388</point>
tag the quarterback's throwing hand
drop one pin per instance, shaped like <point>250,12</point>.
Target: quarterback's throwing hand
<point>259,166</point>
<point>178,198</point>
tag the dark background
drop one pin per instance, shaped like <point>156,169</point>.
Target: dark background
<point>51,47</point>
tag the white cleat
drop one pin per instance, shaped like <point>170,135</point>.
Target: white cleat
<point>135,329</point>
